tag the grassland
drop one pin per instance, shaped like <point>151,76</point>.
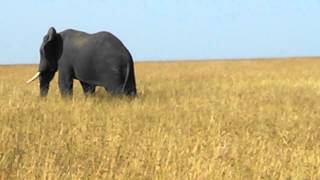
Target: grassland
<point>192,120</point>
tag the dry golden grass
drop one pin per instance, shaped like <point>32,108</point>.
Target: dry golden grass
<point>192,120</point>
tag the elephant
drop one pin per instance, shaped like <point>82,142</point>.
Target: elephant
<point>98,59</point>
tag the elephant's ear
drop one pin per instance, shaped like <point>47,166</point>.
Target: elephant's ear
<point>51,34</point>
<point>50,49</point>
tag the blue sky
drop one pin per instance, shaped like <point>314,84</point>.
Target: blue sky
<point>168,29</point>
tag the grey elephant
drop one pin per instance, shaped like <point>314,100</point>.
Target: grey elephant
<point>98,59</point>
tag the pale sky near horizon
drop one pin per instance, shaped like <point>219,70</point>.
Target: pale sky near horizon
<point>168,29</point>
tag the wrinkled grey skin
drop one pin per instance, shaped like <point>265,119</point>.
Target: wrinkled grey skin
<point>98,59</point>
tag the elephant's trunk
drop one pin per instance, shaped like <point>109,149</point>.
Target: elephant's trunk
<point>45,78</point>
<point>44,88</point>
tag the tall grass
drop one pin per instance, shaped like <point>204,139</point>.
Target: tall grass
<point>192,120</point>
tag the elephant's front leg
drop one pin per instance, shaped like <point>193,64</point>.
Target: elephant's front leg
<point>65,83</point>
<point>88,89</point>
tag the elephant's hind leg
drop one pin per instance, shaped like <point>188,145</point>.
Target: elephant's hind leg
<point>114,88</point>
<point>114,84</point>
<point>115,91</point>
<point>88,89</point>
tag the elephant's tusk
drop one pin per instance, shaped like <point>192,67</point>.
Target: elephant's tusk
<point>36,76</point>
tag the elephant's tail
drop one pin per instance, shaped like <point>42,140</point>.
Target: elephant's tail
<point>129,86</point>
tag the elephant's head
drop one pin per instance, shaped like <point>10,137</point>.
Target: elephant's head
<point>50,52</point>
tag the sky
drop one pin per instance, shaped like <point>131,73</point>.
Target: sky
<point>168,29</point>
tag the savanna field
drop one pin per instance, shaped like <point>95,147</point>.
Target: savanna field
<point>254,119</point>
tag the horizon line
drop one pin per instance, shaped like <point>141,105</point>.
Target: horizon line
<point>203,59</point>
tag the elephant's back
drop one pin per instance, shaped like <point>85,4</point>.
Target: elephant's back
<point>110,43</point>
<point>102,39</point>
